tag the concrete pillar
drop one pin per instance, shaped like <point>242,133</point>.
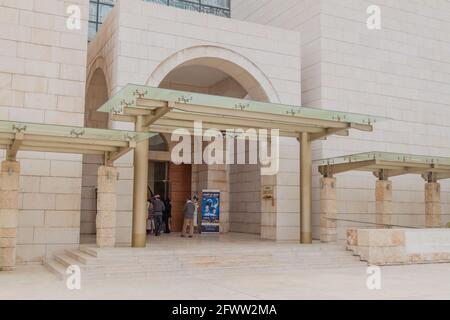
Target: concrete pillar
<point>139,232</point>
<point>305,189</point>
<point>433,205</point>
<point>9,212</point>
<point>106,207</point>
<point>383,198</point>
<point>218,179</point>
<point>328,210</point>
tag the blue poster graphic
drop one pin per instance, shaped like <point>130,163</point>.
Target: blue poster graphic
<point>210,211</point>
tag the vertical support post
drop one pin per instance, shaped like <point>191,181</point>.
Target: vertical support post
<point>139,233</point>
<point>383,198</point>
<point>305,188</point>
<point>9,212</point>
<point>433,205</point>
<point>328,210</point>
<point>106,207</point>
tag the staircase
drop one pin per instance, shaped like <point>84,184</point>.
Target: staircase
<point>98,263</point>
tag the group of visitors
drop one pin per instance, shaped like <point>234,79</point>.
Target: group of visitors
<point>160,216</point>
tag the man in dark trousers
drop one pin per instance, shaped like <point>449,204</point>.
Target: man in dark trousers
<point>167,216</point>
<point>158,209</point>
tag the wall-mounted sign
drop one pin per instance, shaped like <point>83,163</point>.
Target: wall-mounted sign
<point>210,211</point>
<point>267,192</point>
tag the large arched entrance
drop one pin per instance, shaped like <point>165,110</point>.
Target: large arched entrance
<point>96,95</point>
<point>221,72</point>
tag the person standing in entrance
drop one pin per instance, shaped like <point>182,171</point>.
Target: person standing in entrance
<point>158,209</point>
<point>188,212</point>
<point>167,217</point>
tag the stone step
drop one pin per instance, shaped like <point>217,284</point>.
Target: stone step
<point>121,252</point>
<point>129,263</point>
<point>123,266</point>
<point>127,274</point>
<point>56,268</point>
<point>59,265</point>
<point>67,261</point>
<point>81,256</point>
<point>74,258</point>
<point>145,254</point>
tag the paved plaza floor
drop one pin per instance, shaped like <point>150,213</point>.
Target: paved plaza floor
<point>430,281</point>
<point>402,282</point>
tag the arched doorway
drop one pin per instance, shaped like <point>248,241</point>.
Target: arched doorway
<point>217,71</point>
<point>96,95</point>
<point>158,167</point>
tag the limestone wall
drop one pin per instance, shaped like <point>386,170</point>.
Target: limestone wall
<point>42,79</point>
<point>142,42</point>
<point>401,71</point>
<point>245,199</point>
<point>400,246</point>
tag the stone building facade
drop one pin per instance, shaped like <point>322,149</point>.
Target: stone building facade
<point>149,44</point>
<point>401,71</point>
<point>311,52</point>
<point>42,80</point>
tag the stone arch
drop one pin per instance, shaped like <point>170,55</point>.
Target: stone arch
<point>244,71</point>
<point>98,63</point>
<point>240,179</point>
<point>159,143</point>
<point>97,93</point>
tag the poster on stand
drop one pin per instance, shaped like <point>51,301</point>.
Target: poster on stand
<point>210,211</point>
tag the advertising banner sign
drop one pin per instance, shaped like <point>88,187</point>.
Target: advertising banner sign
<point>210,211</point>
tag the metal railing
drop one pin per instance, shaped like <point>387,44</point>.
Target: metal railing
<point>217,7</point>
<point>374,223</point>
<point>99,9</point>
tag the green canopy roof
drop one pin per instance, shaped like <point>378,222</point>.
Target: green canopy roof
<point>388,164</point>
<point>166,110</point>
<point>16,136</point>
<point>128,95</point>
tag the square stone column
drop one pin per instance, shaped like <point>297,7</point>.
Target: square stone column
<point>9,212</point>
<point>433,205</point>
<point>328,210</point>
<point>106,207</point>
<point>383,198</point>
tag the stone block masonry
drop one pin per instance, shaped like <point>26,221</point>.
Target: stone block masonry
<point>328,210</point>
<point>9,212</point>
<point>433,210</point>
<point>106,206</point>
<point>400,246</point>
<point>42,79</point>
<point>383,203</point>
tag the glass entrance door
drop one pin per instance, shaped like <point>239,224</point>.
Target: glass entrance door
<point>158,179</point>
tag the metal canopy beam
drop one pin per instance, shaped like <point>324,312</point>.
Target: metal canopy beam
<point>113,156</point>
<point>14,148</point>
<point>157,114</point>
<point>17,136</point>
<point>385,165</point>
<point>330,170</point>
<point>328,132</point>
<point>166,108</point>
<point>162,111</point>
